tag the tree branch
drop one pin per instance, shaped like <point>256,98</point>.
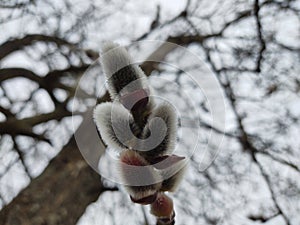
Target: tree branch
<point>260,36</point>
<point>17,44</point>
<point>10,73</point>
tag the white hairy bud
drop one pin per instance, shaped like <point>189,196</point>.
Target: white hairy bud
<point>167,126</point>
<point>142,181</point>
<point>116,125</point>
<point>171,168</point>
<point>123,76</point>
<point>162,208</point>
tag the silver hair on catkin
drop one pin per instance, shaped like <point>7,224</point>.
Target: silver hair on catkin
<point>168,115</point>
<point>121,73</point>
<point>116,125</point>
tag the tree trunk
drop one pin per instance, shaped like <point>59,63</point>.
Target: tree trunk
<point>62,192</point>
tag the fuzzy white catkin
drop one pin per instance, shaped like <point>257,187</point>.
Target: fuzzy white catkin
<point>173,175</point>
<point>168,114</point>
<point>114,123</point>
<point>114,57</point>
<point>120,70</point>
<point>141,180</point>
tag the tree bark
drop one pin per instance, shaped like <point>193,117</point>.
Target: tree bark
<point>62,192</point>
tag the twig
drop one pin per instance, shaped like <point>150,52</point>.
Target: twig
<point>21,157</point>
<point>260,36</point>
<point>145,216</point>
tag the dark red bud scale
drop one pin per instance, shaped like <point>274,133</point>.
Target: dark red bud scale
<point>145,201</point>
<point>135,100</point>
<point>132,158</point>
<point>163,207</point>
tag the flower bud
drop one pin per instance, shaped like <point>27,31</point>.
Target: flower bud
<point>172,169</point>
<point>162,208</point>
<point>142,181</point>
<point>116,125</point>
<point>166,127</point>
<point>135,100</point>
<point>123,77</point>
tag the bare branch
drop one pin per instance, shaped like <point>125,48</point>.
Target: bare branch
<point>17,44</point>
<point>273,195</point>
<point>21,156</point>
<point>15,127</point>
<point>260,36</point>
<point>10,73</point>
<point>6,112</point>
